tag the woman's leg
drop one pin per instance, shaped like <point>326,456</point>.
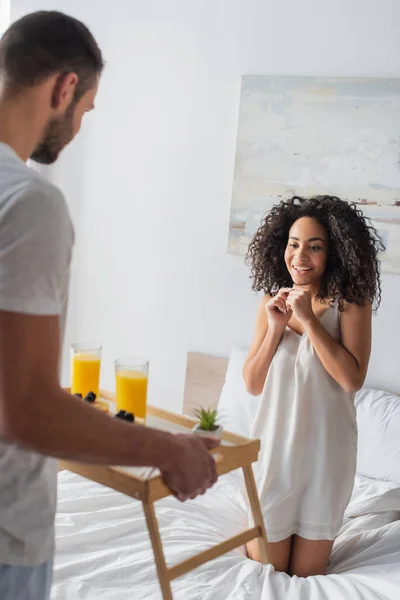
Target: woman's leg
<point>309,557</point>
<point>278,553</point>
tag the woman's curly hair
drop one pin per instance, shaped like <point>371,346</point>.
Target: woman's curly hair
<point>352,271</point>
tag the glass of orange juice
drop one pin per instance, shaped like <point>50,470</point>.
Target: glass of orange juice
<point>85,369</point>
<point>131,377</point>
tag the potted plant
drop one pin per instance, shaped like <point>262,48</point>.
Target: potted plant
<point>207,423</point>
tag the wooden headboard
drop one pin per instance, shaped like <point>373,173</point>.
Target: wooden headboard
<point>205,376</point>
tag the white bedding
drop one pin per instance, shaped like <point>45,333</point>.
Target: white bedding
<point>104,553</point>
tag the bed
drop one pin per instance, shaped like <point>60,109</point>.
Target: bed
<point>103,549</point>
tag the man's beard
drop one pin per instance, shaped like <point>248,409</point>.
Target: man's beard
<point>58,133</point>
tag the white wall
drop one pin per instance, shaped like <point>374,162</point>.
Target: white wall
<point>4,15</point>
<point>149,180</point>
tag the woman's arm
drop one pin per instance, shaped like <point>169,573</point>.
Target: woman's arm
<point>347,362</point>
<point>271,321</point>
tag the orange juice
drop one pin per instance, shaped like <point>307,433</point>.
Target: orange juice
<point>131,387</point>
<point>85,374</point>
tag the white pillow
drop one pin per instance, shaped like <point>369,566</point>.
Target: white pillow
<point>236,407</point>
<point>378,418</point>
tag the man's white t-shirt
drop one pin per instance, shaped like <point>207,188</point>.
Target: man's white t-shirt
<point>36,240</point>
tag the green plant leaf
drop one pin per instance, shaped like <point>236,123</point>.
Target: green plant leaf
<point>207,418</point>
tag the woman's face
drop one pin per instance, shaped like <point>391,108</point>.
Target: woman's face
<point>306,252</point>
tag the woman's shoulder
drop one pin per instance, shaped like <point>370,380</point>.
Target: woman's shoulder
<point>354,315</point>
<point>351,308</point>
<point>264,299</point>
<point>261,318</point>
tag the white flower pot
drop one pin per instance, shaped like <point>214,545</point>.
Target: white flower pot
<point>217,433</point>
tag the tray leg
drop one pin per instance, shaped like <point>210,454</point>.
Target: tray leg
<point>155,538</point>
<point>256,511</point>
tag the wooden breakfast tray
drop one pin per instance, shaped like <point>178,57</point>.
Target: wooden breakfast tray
<point>145,484</point>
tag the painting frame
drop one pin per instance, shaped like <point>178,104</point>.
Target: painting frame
<point>311,135</point>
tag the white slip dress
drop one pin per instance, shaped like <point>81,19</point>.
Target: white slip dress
<point>307,426</point>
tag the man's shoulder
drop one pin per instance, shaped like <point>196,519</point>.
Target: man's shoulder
<point>34,210</point>
<point>27,192</point>
<point>28,201</point>
<point>32,184</point>
<point>18,179</point>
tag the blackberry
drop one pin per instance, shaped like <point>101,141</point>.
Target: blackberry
<point>125,416</point>
<point>120,415</point>
<point>91,397</point>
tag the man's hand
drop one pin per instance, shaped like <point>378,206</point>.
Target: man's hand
<point>189,469</point>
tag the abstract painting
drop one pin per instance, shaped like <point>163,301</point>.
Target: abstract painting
<point>308,136</point>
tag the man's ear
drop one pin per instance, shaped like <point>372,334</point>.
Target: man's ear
<point>64,91</point>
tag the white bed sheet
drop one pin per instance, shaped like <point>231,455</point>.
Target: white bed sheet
<point>104,552</point>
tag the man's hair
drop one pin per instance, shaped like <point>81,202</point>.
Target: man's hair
<point>45,43</point>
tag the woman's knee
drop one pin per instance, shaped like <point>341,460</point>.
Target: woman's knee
<point>309,557</point>
<point>278,553</point>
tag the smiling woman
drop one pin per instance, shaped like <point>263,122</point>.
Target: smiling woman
<point>352,266</point>
<point>316,261</point>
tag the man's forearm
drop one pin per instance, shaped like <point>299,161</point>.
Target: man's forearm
<point>57,424</point>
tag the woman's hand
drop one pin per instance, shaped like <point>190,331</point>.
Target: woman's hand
<point>299,301</point>
<point>277,310</point>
